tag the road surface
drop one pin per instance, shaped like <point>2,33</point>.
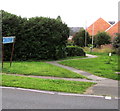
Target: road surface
<point>20,99</point>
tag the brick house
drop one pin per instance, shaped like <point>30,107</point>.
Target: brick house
<point>113,30</point>
<point>98,26</point>
<point>101,25</point>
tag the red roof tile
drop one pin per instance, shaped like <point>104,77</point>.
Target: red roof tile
<point>99,25</point>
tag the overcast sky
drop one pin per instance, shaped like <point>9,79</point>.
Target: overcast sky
<point>75,13</point>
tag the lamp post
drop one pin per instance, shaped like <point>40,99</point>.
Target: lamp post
<point>92,35</point>
<point>86,34</point>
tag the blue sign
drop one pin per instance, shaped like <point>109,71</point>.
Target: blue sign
<point>8,40</point>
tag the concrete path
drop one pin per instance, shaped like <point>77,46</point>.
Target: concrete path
<point>104,86</point>
<point>60,78</point>
<point>96,78</point>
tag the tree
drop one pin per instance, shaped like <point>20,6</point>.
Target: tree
<point>79,38</point>
<point>59,19</point>
<point>101,38</point>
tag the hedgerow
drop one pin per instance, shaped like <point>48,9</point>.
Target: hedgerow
<point>36,38</point>
<point>74,51</point>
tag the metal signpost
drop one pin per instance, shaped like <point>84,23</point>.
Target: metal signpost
<point>7,40</point>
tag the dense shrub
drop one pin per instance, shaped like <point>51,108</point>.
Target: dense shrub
<point>36,38</point>
<point>74,51</point>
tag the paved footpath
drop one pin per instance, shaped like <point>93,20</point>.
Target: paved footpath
<point>104,86</point>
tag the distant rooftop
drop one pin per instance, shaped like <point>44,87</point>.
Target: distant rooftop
<point>73,30</point>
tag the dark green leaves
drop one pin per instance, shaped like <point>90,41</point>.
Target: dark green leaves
<point>36,38</point>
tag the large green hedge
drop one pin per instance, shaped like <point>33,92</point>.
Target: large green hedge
<point>36,38</point>
<point>74,51</point>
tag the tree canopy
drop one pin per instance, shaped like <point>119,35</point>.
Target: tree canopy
<point>79,38</point>
<point>102,38</point>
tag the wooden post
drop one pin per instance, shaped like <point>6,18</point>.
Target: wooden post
<point>8,41</point>
<point>12,53</point>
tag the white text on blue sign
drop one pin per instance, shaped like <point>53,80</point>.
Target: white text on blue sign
<point>8,40</point>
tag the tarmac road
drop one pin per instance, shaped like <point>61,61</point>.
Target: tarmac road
<point>20,99</point>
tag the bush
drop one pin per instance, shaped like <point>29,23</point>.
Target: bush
<point>36,38</point>
<point>101,38</point>
<point>74,51</point>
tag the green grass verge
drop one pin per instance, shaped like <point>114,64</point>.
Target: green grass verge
<point>98,66</point>
<point>73,57</point>
<point>39,69</point>
<point>45,84</point>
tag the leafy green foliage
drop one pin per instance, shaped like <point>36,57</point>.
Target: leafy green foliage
<point>79,38</point>
<point>74,51</point>
<point>36,38</point>
<point>101,38</point>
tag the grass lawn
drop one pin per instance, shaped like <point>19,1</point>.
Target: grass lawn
<point>45,84</point>
<point>39,69</point>
<point>98,66</point>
